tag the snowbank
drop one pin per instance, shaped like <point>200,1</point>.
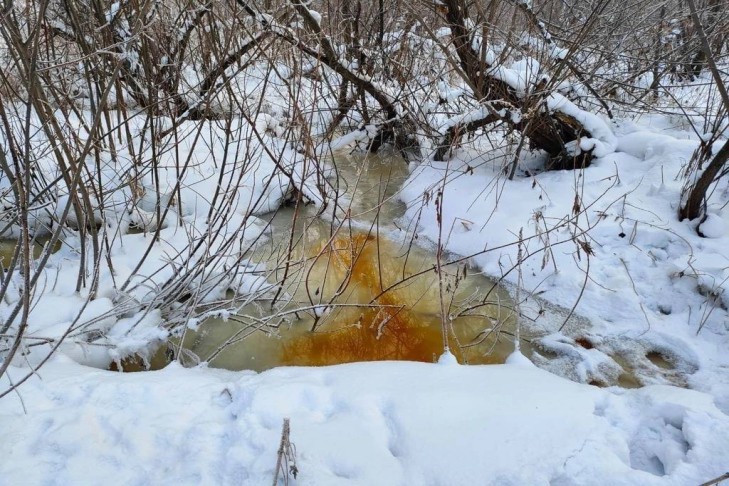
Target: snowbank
<point>606,237</point>
<point>388,423</point>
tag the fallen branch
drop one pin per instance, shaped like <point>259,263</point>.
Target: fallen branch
<point>285,454</point>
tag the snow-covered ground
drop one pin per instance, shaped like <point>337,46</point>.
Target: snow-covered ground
<point>388,423</point>
<point>608,238</point>
<point>651,294</point>
<point>654,288</point>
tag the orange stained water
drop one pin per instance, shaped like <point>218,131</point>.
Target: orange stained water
<point>384,328</point>
<point>369,300</point>
<point>354,296</point>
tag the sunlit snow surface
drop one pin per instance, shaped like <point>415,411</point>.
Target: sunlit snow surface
<point>653,283</point>
<point>388,423</point>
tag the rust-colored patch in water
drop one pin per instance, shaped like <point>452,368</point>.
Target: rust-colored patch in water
<point>359,298</point>
<point>398,340</point>
<point>383,319</point>
<point>354,296</point>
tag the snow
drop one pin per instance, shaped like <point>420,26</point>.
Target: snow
<point>113,10</point>
<point>655,287</point>
<point>603,141</point>
<point>447,359</point>
<point>444,423</point>
<point>558,52</point>
<point>354,138</point>
<point>247,181</point>
<point>714,227</point>
<point>359,424</point>
<point>518,359</point>
<point>646,296</point>
<point>316,16</point>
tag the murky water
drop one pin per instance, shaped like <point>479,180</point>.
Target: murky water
<point>358,289</point>
<point>7,248</point>
<point>363,298</point>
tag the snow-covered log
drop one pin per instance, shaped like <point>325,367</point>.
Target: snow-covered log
<point>550,122</point>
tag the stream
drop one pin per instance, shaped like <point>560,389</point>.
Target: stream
<point>364,290</point>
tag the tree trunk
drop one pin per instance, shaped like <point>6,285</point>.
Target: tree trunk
<point>696,202</point>
<point>546,131</point>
